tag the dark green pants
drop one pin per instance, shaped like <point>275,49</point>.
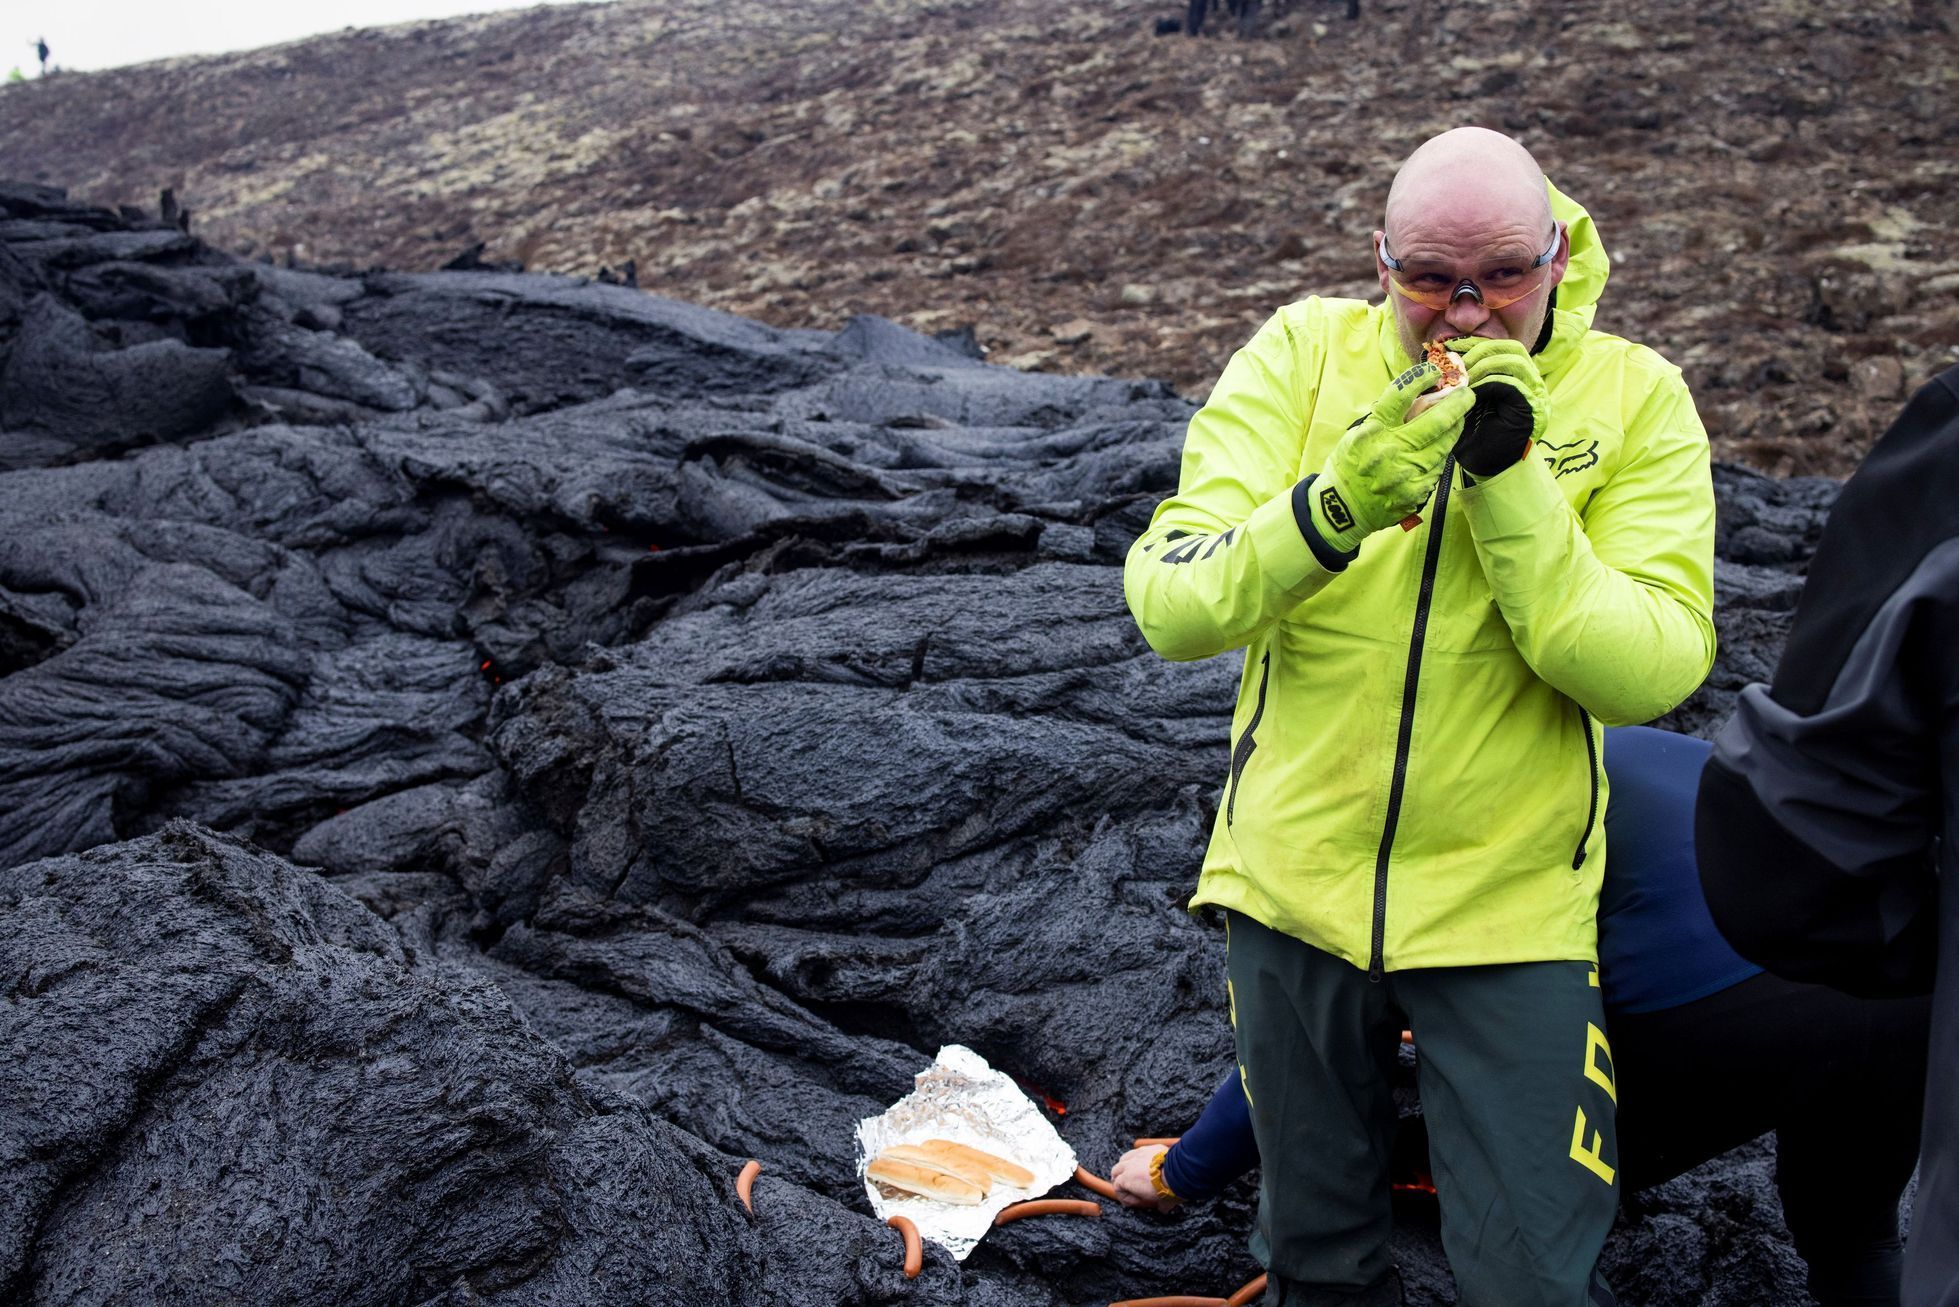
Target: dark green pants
<point>1517,1091</point>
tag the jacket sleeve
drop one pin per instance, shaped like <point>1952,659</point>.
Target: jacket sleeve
<point>1822,817</point>
<point>1820,824</point>
<point>1228,554</point>
<point>1216,1150</point>
<point>1818,831</point>
<point>1870,929</point>
<point>1613,606</point>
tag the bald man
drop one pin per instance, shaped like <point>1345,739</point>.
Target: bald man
<point>1444,593</point>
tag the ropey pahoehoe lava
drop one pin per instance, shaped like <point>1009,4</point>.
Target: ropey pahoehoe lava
<point>484,755</point>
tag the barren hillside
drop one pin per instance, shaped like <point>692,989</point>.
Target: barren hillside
<point>1775,181</point>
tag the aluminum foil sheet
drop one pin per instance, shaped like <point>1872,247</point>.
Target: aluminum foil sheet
<point>959,1097</point>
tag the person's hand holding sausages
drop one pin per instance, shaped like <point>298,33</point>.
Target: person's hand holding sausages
<point>1138,1179</point>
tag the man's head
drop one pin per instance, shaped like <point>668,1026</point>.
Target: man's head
<point>1468,224</point>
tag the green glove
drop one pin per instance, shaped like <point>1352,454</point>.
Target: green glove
<point>1512,406</point>
<point>1384,467</point>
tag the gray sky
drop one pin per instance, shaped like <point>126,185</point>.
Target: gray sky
<point>88,34</point>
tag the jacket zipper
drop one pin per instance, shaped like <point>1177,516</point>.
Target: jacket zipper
<point>1431,559</point>
<point>1242,753</point>
<point>1591,813</point>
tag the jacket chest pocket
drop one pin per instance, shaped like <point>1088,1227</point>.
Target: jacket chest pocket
<point>1592,770</point>
<point>1247,742</point>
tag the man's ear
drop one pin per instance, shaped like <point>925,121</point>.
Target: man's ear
<point>1380,268</point>
<point>1563,259</point>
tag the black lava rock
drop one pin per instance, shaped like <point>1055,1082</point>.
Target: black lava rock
<point>641,738</point>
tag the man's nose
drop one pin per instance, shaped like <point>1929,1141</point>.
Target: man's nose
<point>1466,313</point>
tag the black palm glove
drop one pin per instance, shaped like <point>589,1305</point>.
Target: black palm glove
<point>1512,406</point>
<point>1497,431</point>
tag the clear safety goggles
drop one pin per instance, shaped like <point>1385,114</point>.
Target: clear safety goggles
<point>1496,284</point>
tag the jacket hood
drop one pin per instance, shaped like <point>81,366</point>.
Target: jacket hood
<point>1584,277</point>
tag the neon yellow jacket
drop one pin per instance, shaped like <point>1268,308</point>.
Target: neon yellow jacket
<point>1415,777</point>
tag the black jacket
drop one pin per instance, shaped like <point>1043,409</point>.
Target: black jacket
<point>1826,815</point>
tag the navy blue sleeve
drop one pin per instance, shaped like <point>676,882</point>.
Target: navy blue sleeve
<point>1657,944</point>
<point>1218,1149</point>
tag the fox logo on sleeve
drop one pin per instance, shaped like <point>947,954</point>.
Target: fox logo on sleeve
<point>1574,456</point>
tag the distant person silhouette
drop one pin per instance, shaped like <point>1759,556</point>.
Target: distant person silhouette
<point>1245,11</point>
<point>41,48</point>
